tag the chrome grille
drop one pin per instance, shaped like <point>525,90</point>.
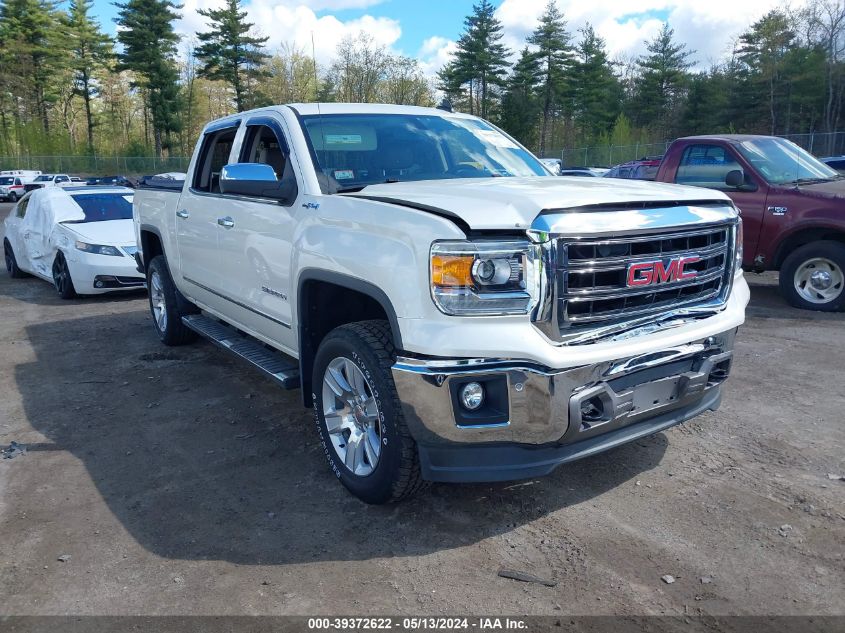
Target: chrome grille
<point>592,275</point>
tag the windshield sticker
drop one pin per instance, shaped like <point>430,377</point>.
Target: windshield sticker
<point>344,139</point>
<point>495,138</point>
<point>344,174</point>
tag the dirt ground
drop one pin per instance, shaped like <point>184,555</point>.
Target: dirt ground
<point>180,482</point>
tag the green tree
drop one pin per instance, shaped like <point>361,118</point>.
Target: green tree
<point>663,75</point>
<point>520,104</point>
<point>90,51</point>
<point>230,54</point>
<point>32,51</point>
<point>554,51</point>
<point>595,88</point>
<point>481,58</point>
<point>763,49</point>
<point>149,48</point>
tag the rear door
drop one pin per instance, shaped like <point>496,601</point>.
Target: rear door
<point>15,231</point>
<point>707,165</point>
<point>198,217</point>
<point>255,248</point>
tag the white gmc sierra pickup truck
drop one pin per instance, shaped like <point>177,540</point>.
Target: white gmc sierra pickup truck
<point>451,311</point>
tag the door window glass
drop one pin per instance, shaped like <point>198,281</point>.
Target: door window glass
<point>261,145</point>
<point>214,155</point>
<point>706,166</point>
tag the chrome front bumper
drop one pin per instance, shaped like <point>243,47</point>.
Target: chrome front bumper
<point>561,408</point>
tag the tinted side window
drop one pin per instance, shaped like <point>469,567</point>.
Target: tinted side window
<point>214,155</point>
<point>705,166</point>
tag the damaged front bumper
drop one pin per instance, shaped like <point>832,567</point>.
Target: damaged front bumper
<point>535,418</point>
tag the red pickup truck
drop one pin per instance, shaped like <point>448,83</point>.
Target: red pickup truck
<point>792,205</point>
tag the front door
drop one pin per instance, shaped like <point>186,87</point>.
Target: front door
<point>198,219</point>
<point>255,249</point>
<point>707,165</point>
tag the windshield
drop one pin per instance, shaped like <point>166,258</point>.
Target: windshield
<point>355,150</point>
<point>105,206</point>
<point>43,178</point>
<point>5,180</point>
<point>782,162</point>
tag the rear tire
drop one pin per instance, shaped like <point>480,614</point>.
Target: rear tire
<point>366,440</point>
<point>11,261</point>
<point>61,277</point>
<point>165,306</point>
<point>813,277</point>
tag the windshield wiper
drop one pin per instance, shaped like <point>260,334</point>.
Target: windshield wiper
<point>808,181</point>
<point>356,188</point>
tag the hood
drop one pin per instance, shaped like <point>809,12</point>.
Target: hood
<point>504,203</point>
<point>830,189</point>
<point>110,232</point>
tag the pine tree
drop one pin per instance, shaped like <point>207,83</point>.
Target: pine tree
<point>520,105</point>
<point>663,76</point>
<point>763,49</point>
<point>481,58</point>
<point>596,90</point>
<point>149,48</point>
<point>90,50</point>
<point>33,40</point>
<point>229,53</point>
<point>554,51</point>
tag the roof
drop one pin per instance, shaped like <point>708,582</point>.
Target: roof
<point>735,138</point>
<point>308,109</point>
<point>98,189</point>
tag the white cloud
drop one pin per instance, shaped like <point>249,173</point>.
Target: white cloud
<point>706,26</point>
<point>288,22</point>
<point>434,53</point>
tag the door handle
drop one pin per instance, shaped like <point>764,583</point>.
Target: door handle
<point>183,213</point>
<point>226,223</point>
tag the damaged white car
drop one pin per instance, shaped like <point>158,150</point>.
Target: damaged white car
<point>81,239</point>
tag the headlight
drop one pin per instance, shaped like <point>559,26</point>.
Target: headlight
<point>98,249</point>
<point>483,278</point>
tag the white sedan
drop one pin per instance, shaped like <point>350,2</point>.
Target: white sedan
<point>79,238</point>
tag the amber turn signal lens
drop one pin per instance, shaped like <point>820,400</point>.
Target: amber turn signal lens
<point>451,270</point>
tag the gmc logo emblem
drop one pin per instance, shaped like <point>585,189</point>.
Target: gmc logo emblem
<point>661,271</point>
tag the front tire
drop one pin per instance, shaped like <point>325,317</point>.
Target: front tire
<point>813,277</point>
<point>11,262</point>
<point>61,277</point>
<point>13,197</point>
<point>166,309</point>
<point>359,416</point>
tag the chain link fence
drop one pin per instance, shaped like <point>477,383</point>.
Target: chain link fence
<point>87,166</point>
<point>820,144</point>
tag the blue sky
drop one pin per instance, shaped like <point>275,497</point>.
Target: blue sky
<point>428,29</point>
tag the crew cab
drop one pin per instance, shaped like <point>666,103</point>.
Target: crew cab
<point>792,205</point>
<point>450,310</point>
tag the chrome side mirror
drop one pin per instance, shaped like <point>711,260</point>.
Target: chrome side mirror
<point>258,180</point>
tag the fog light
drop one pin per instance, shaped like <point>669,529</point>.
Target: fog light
<point>98,284</point>
<point>472,396</point>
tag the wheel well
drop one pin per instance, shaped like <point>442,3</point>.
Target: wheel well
<point>325,305</point>
<point>803,237</point>
<point>150,246</point>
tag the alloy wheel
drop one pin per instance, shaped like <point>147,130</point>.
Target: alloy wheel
<point>157,301</point>
<point>352,416</point>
